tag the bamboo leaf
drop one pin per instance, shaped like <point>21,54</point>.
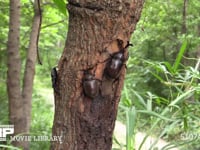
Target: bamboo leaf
<point>169,67</point>
<point>139,99</point>
<point>9,147</point>
<point>130,126</point>
<point>180,56</point>
<point>157,76</point>
<point>182,97</point>
<point>154,114</point>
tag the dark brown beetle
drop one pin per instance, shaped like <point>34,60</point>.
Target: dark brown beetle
<point>54,76</point>
<point>91,85</point>
<point>115,63</point>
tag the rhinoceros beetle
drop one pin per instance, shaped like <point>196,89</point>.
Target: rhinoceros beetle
<point>54,76</point>
<point>116,62</point>
<point>91,85</point>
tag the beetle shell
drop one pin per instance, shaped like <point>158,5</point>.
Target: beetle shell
<point>118,56</point>
<point>91,86</point>
<point>113,67</point>
<point>115,63</point>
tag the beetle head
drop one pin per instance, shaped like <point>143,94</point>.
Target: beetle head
<point>88,76</point>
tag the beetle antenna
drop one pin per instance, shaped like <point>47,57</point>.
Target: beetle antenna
<point>128,44</point>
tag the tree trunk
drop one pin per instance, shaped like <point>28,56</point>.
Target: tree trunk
<point>20,102</point>
<point>184,25</point>
<point>97,29</point>
<point>184,29</point>
<point>30,70</point>
<point>14,67</point>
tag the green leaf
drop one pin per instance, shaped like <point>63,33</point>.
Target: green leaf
<point>180,56</point>
<point>157,76</point>
<point>139,99</point>
<point>152,113</point>
<point>182,97</point>
<point>130,126</point>
<point>169,67</point>
<point>61,6</point>
<point>9,147</point>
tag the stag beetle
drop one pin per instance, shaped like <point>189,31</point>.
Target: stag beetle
<point>54,76</point>
<point>116,62</point>
<point>91,85</point>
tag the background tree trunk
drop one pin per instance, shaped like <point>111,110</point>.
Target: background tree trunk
<point>184,29</point>
<point>95,27</point>
<point>20,102</point>
<point>14,67</point>
<point>29,73</point>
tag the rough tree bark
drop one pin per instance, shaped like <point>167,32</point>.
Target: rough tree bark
<point>95,27</point>
<point>20,102</point>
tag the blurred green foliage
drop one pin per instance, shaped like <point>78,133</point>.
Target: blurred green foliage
<point>42,121</point>
<point>52,38</point>
<point>162,81</point>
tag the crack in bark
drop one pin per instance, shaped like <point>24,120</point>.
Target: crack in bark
<point>89,6</point>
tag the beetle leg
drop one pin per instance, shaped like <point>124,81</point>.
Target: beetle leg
<point>127,57</point>
<point>110,56</point>
<point>115,80</point>
<point>126,66</point>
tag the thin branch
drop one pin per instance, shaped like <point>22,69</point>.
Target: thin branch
<point>39,28</point>
<point>53,24</point>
